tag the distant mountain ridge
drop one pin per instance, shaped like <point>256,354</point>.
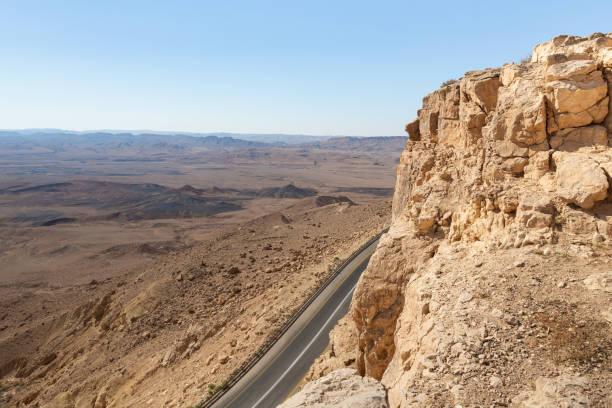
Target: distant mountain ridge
<point>64,141</point>
<point>147,144</point>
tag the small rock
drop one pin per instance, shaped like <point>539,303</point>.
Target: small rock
<point>179,277</point>
<point>224,359</point>
<point>495,381</point>
<point>210,359</point>
<point>465,297</point>
<point>519,264</point>
<point>511,320</point>
<point>48,359</point>
<point>425,309</point>
<point>561,284</point>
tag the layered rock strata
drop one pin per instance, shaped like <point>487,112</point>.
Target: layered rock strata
<point>502,208</point>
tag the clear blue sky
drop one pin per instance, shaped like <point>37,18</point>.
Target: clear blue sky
<point>311,67</point>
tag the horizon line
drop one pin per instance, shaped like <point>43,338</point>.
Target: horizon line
<point>189,133</point>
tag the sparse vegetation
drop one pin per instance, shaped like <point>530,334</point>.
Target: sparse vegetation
<point>448,82</point>
<point>526,59</point>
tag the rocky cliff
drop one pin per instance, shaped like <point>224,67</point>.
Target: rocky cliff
<point>493,285</point>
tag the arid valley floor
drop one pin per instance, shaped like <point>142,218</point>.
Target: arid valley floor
<point>163,267</point>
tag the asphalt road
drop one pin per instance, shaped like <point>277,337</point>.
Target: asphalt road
<point>278,373</point>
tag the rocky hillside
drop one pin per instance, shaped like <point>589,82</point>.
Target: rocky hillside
<point>167,334</point>
<point>493,285</point>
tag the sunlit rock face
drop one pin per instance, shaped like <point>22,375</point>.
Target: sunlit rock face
<point>503,164</point>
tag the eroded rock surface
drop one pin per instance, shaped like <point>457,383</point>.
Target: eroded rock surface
<point>489,282</point>
<point>340,389</point>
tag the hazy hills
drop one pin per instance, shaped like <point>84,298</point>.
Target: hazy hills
<point>51,141</point>
<point>131,201</point>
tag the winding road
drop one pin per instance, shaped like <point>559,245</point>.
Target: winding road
<point>276,376</point>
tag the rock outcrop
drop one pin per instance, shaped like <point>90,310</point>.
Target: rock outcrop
<point>502,208</point>
<point>340,389</point>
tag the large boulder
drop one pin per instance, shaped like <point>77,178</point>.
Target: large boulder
<point>567,69</point>
<point>481,87</point>
<point>572,139</point>
<point>340,389</point>
<point>579,93</point>
<point>412,129</point>
<point>580,180</point>
<point>521,114</point>
<point>608,120</point>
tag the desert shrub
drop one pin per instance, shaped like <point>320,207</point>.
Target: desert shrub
<point>526,59</point>
<point>448,82</point>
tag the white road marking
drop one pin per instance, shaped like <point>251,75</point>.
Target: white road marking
<point>305,348</point>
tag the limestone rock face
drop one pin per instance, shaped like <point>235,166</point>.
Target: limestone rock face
<point>573,139</point>
<point>502,163</point>
<point>580,180</point>
<point>340,389</point>
<point>521,117</point>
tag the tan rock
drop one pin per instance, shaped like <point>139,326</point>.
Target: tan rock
<point>376,305</point>
<point>341,389</point>
<point>509,73</point>
<point>412,129</point>
<point>535,212</point>
<point>600,281</point>
<point>573,139</point>
<point>563,391</point>
<point>428,124</point>
<point>515,165</point>
<point>472,115</point>
<point>569,69</point>
<point>427,219</point>
<point>593,47</point>
<point>594,114</point>
<point>579,179</point>
<point>482,88</point>
<point>578,93</point>
<point>608,120</point>
<point>506,148</point>
<point>449,132</point>
<point>521,114</point>
<point>538,165</point>
<point>462,221</point>
<point>600,110</point>
<point>605,228</point>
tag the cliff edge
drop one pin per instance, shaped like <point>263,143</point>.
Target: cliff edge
<point>493,285</point>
